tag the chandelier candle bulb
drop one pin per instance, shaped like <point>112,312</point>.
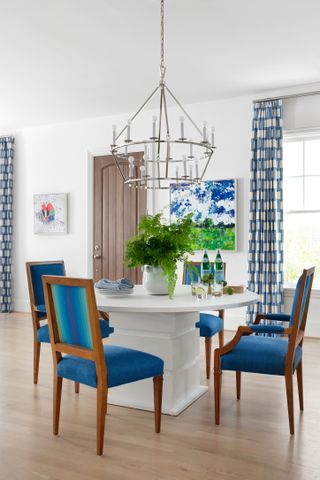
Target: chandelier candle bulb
<point>154,126</point>
<point>128,130</point>
<point>212,136</point>
<point>114,131</point>
<point>154,151</point>
<point>182,127</point>
<point>168,150</point>
<point>131,166</point>
<point>191,149</point>
<point>184,159</point>
<point>177,173</point>
<point>146,158</point>
<point>197,168</point>
<point>204,131</point>
<point>190,171</point>
<point>142,172</point>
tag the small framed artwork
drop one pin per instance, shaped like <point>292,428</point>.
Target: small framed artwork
<point>213,205</point>
<point>50,213</point>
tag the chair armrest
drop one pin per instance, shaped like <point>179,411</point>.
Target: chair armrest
<point>267,329</point>
<point>242,331</point>
<point>103,315</point>
<point>276,317</point>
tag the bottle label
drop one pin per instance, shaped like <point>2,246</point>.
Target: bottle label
<point>205,271</point>
<point>219,275</point>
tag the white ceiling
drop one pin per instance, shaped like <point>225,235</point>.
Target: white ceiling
<point>65,60</point>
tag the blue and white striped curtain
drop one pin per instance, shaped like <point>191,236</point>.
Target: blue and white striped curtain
<point>266,209</point>
<point>6,200</point>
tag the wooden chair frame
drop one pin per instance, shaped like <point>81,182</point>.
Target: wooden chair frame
<point>96,354</point>
<point>296,337</point>
<point>208,340</point>
<point>36,318</point>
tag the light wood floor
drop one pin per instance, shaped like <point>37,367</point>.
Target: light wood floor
<point>252,442</point>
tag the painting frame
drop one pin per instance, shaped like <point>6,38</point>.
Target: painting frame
<point>50,213</point>
<point>202,243</point>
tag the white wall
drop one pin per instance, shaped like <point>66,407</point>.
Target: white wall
<point>55,159</point>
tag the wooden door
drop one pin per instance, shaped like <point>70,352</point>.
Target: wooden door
<point>117,209</point>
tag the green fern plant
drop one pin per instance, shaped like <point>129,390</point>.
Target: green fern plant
<point>161,245</point>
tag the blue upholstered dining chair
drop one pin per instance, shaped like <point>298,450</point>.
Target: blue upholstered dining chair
<point>79,355</point>
<point>209,324</point>
<point>270,355</point>
<point>35,272</point>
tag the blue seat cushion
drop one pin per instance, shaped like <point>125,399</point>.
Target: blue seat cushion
<point>209,324</point>
<point>41,308</point>
<point>258,354</point>
<point>44,336</point>
<point>124,365</point>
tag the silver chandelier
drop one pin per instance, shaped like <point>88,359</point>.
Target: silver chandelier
<point>165,159</point>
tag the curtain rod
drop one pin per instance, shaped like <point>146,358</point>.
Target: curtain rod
<point>285,97</point>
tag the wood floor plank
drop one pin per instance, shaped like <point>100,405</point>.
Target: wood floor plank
<point>252,441</point>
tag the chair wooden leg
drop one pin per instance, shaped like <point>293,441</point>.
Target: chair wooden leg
<point>217,387</point>
<point>157,392</point>
<point>36,360</point>
<point>76,387</point>
<point>208,347</point>
<point>217,395</point>
<point>289,390</point>
<point>221,338</point>
<point>57,390</point>
<point>238,380</point>
<point>300,385</point>
<point>102,397</point>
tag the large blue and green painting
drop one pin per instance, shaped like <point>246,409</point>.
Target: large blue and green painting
<point>213,205</point>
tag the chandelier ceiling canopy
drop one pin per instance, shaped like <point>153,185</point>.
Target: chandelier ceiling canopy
<point>166,158</point>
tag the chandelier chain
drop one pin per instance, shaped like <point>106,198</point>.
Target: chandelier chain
<point>162,66</point>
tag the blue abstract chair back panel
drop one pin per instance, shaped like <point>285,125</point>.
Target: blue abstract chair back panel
<point>187,277</point>
<point>37,272</point>
<point>296,298</point>
<point>72,315</point>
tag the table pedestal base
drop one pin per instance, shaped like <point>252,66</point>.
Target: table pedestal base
<point>172,337</point>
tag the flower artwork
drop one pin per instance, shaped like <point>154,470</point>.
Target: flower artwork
<point>213,207</point>
<point>50,213</point>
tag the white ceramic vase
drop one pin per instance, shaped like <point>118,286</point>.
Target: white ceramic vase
<point>154,280</point>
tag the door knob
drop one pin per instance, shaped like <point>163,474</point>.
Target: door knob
<point>96,256</point>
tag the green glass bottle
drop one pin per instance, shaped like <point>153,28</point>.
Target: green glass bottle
<point>205,265</point>
<point>218,268</point>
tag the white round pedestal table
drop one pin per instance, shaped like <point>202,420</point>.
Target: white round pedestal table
<point>166,328</point>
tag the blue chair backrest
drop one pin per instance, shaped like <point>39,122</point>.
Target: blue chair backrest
<point>188,277</point>
<point>304,299</point>
<point>72,315</point>
<point>37,272</point>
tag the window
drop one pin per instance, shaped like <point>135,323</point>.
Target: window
<point>301,197</point>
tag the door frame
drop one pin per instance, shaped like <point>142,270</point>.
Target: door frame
<point>91,154</point>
